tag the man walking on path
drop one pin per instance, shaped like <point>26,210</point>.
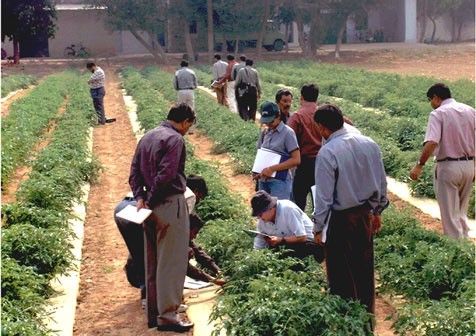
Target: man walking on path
<point>450,137</point>
<point>230,90</point>
<point>97,89</point>
<point>247,91</point>
<point>219,71</point>
<point>351,193</point>
<point>185,82</point>
<point>158,182</point>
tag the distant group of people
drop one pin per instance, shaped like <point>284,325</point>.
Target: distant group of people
<point>321,150</point>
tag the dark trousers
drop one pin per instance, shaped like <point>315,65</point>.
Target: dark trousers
<point>303,181</point>
<point>247,104</point>
<point>350,256</point>
<point>98,102</point>
<point>133,236</point>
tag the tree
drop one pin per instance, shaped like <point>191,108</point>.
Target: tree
<point>26,19</point>
<point>136,16</point>
<point>286,15</point>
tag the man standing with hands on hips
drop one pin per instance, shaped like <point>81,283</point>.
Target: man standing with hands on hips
<point>450,137</point>
<point>158,182</point>
<point>351,193</point>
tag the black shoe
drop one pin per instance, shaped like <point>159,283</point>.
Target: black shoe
<point>152,324</point>
<point>110,120</point>
<point>180,326</point>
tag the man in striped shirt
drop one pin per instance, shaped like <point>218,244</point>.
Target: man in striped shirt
<point>96,85</point>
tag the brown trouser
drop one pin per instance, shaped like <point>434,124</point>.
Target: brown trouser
<point>350,255</point>
<point>222,98</point>
<point>166,255</point>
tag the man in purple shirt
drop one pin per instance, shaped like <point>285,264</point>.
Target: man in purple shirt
<point>158,182</point>
<point>450,137</point>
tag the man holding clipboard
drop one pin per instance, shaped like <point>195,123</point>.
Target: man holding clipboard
<point>278,140</point>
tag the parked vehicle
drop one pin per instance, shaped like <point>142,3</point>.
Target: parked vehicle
<point>76,51</point>
<point>273,39</point>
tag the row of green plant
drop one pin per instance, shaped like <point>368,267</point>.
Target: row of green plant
<point>399,137</point>
<point>241,309</point>
<point>433,292</point>
<point>28,119</point>
<point>36,234</point>
<point>15,82</point>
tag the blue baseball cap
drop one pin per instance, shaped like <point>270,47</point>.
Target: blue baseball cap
<point>269,111</point>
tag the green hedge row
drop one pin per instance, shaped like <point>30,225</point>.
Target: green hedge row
<point>396,229</point>
<point>15,82</point>
<point>249,271</point>
<point>28,119</point>
<point>36,232</point>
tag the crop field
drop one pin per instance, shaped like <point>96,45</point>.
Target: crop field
<point>428,278</point>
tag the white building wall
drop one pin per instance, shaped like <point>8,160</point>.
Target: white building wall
<point>443,30</point>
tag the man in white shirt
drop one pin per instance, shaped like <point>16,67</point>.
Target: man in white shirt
<point>219,84</point>
<point>96,85</point>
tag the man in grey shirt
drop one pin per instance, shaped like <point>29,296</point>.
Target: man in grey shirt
<point>247,91</point>
<point>220,85</point>
<point>185,82</point>
<point>351,193</point>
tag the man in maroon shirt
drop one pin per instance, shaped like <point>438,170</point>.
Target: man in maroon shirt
<point>158,182</point>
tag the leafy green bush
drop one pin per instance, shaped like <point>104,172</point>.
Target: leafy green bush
<point>15,82</point>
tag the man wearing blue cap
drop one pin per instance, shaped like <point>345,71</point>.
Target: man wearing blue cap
<point>280,139</point>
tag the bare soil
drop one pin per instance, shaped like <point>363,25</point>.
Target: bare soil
<point>107,304</point>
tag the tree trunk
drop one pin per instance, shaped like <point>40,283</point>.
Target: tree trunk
<point>340,35</point>
<point>264,20</point>
<point>237,45</point>
<point>156,46</point>
<point>211,40</point>
<point>16,51</point>
<point>146,45</point>
<point>287,37</point>
<point>302,41</point>
<point>434,30</point>
<point>313,34</point>
<point>423,17</point>
<point>188,44</point>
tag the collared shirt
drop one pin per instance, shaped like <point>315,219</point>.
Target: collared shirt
<point>452,127</point>
<point>97,79</point>
<point>349,172</point>
<point>290,221</point>
<point>281,140</point>
<point>219,69</point>
<point>229,69</point>
<point>158,165</point>
<point>248,75</point>
<point>236,68</point>
<point>185,79</point>
<point>307,134</point>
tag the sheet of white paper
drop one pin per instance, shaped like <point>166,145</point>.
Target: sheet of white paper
<point>130,213</point>
<point>195,284</point>
<point>265,158</point>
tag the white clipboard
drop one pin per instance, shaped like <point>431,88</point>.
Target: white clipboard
<point>131,214</point>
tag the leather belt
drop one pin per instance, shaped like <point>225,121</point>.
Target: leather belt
<point>127,198</point>
<point>463,158</point>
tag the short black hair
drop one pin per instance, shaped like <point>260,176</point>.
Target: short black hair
<point>329,116</point>
<point>249,62</point>
<point>197,183</point>
<point>440,90</point>
<point>181,112</point>
<point>282,92</point>
<point>184,63</point>
<point>310,92</point>
<point>90,65</point>
<point>195,221</point>
<point>243,58</point>
<point>230,57</point>
<point>217,56</point>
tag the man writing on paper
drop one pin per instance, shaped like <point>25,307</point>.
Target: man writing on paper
<point>282,223</point>
<point>157,179</point>
<point>351,193</point>
<point>281,139</point>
